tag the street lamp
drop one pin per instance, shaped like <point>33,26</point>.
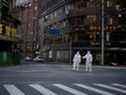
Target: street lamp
<point>102,34</point>
<point>70,46</point>
<point>34,43</point>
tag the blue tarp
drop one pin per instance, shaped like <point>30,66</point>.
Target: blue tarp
<point>54,31</point>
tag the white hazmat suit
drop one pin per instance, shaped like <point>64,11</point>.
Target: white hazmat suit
<point>76,61</point>
<point>89,59</point>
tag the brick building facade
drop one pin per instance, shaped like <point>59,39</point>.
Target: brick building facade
<point>27,12</point>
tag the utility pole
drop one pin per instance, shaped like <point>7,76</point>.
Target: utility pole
<point>70,46</point>
<point>102,34</point>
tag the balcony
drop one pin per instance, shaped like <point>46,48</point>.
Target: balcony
<point>83,11</point>
<point>91,11</point>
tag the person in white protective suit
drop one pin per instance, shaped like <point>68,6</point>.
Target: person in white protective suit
<point>76,61</point>
<point>89,59</point>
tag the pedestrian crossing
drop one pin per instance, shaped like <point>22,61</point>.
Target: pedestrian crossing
<point>119,85</point>
<point>13,90</point>
<point>111,88</point>
<point>94,89</point>
<point>71,89</point>
<point>42,90</point>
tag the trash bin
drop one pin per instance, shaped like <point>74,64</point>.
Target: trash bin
<point>7,58</point>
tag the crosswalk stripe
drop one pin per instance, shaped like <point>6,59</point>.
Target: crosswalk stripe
<point>13,90</point>
<point>70,90</point>
<point>111,88</point>
<point>42,89</point>
<point>119,85</point>
<point>94,89</point>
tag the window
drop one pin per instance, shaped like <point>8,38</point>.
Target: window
<point>82,4</point>
<point>108,36</point>
<point>68,8</point>
<point>36,8</point>
<point>92,19</point>
<point>29,4</point>
<point>51,16</point>
<point>59,11</point>
<point>117,7</point>
<point>46,17</point>
<point>111,21</point>
<point>64,24</point>
<point>55,14</point>
<point>108,3</point>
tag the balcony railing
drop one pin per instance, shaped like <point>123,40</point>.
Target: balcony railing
<point>83,11</point>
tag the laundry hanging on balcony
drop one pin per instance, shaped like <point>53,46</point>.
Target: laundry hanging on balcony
<point>22,3</point>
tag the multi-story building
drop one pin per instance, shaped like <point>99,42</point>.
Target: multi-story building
<point>8,35</point>
<point>27,12</point>
<point>53,25</point>
<point>76,25</point>
<point>8,25</point>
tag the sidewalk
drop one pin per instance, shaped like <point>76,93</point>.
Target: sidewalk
<point>111,67</point>
<point>98,66</point>
<point>62,63</point>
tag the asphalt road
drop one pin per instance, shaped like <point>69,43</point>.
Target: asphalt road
<point>60,79</point>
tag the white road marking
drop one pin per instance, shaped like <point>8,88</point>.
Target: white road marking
<point>70,90</point>
<point>26,71</point>
<point>13,90</point>
<point>119,85</point>
<point>94,89</point>
<point>111,88</point>
<point>42,90</point>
